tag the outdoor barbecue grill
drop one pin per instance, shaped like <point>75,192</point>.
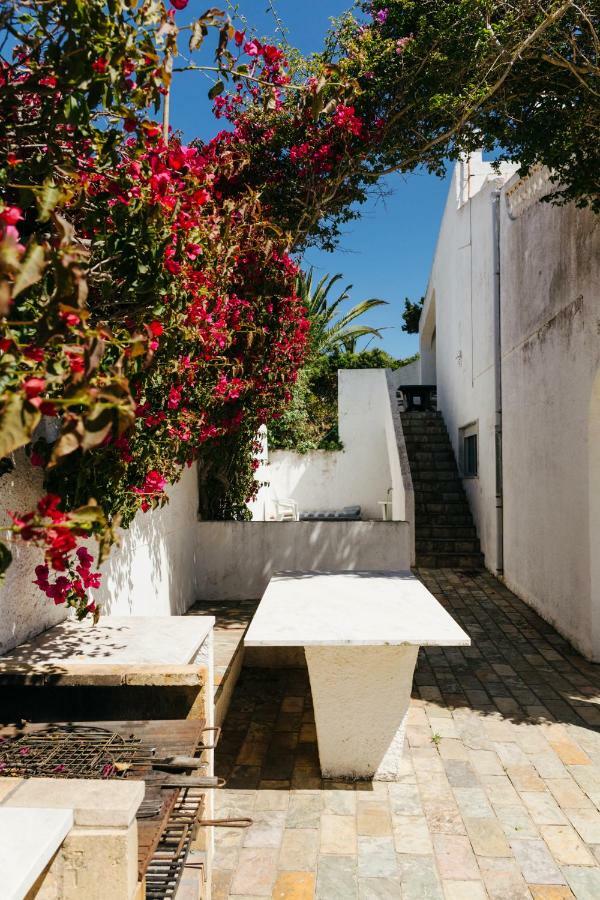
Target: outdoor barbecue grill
<point>158,752</point>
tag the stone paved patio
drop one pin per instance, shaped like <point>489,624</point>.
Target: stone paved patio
<point>500,794</point>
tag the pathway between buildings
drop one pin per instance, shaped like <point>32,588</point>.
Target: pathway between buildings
<point>500,794</point>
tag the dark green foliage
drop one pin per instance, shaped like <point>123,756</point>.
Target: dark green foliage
<point>411,315</point>
<point>310,422</point>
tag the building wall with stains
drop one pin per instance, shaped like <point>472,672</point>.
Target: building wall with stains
<point>550,303</point>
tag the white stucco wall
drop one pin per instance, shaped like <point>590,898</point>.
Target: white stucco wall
<point>154,570</point>
<point>550,316</point>
<point>459,312</point>
<point>24,610</point>
<point>357,475</point>
<point>239,558</point>
<point>551,408</point>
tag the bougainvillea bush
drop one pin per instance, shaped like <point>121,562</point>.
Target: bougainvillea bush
<point>148,312</point>
<point>148,302</point>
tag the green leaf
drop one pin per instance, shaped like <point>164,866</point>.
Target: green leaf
<point>216,89</point>
<point>47,199</point>
<point>5,560</point>
<point>31,268</point>
<point>17,423</point>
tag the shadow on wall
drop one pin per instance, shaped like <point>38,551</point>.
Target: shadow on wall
<point>154,569</point>
<point>240,557</point>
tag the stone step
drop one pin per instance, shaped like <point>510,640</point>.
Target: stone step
<point>446,545</point>
<point>422,456</point>
<point>450,561</point>
<point>456,498</point>
<point>421,415</point>
<point>443,514</point>
<point>440,468</point>
<point>448,530</point>
<point>417,430</point>
<point>425,441</point>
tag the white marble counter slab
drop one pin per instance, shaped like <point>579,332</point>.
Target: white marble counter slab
<point>115,641</point>
<point>313,609</point>
<point>29,839</point>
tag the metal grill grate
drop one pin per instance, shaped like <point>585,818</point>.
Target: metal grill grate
<point>166,866</point>
<point>70,751</point>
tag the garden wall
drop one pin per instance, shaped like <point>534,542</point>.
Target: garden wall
<point>154,570</point>
<point>360,474</point>
<point>238,558</point>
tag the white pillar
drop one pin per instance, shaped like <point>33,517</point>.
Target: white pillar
<point>361,696</point>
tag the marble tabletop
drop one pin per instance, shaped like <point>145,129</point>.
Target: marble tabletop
<point>351,608</point>
<point>116,640</point>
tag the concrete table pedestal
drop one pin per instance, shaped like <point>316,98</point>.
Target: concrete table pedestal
<point>361,697</point>
<point>361,633</point>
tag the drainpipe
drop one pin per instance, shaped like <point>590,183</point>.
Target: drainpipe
<point>498,384</point>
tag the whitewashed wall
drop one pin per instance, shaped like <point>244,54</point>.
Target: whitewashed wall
<point>24,610</point>
<point>459,316</point>
<point>550,318</point>
<point>357,475</point>
<point>154,570</point>
<point>240,557</point>
<point>551,412</point>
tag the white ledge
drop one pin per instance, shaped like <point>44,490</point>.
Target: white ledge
<point>117,640</point>
<point>30,838</point>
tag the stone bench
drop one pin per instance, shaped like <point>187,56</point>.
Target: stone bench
<point>124,667</point>
<point>361,632</point>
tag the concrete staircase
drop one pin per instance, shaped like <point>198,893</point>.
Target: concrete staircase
<point>445,535</point>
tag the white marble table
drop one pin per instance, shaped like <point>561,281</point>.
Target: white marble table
<point>361,632</point>
<point>29,839</point>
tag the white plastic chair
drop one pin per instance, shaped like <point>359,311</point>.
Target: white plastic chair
<point>286,510</point>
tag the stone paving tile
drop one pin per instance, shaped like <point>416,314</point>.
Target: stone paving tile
<point>503,803</point>
<point>536,862</point>
<point>337,878</point>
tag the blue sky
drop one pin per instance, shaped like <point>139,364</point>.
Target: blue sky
<point>388,252</point>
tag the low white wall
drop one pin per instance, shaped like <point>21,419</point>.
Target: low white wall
<point>403,497</point>
<point>153,571</point>
<point>238,558</point>
<point>357,475</point>
<point>409,374</point>
<point>24,610</point>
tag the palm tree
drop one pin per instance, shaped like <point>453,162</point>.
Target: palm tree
<point>328,328</point>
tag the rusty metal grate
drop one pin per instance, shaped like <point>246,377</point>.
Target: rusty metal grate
<point>167,863</point>
<point>70,751</point>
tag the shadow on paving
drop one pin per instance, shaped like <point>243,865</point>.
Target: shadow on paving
<point>518,668</point>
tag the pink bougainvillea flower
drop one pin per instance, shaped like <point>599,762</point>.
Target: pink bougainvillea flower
<point>179,4</point>
<point>381,16</point>
<point>100,65</point>
<point>402,43</point>
<point>84,556</point>
<point>33,387</point>
<point>10,215</point>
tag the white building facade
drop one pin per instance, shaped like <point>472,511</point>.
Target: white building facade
<point>510,333</point>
